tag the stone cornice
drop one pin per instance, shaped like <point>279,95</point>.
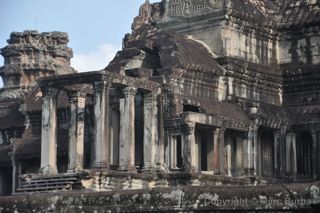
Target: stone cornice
<point>91,77</point>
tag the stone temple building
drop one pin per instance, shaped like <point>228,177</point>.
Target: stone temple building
<point>205,92</point>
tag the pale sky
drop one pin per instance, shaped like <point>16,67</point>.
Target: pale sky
<point>95,27</point>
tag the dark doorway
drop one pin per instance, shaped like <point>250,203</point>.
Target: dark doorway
<point>206,148</point>
<point>267,153</point>
<point>5,181</point>
<point>179,152</point>
<point>304,154</point>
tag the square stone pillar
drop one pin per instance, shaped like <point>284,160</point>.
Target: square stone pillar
<point>173,151</point>
<point>222,161</point>
<point>161,146</point>
<point>49,132</point>
<point>76,131</point>
<point>282,147</point>
<point>250,150</point>
<point>190,151</point>
<point>291,157</point>
<point>127,130</point>
<point>275,153</point>
<point>216,151</point>
<point>315,155</point>
<point>150,132</point>
<point>101,125</point>
<point>245,153</point>
<point>228,156</point>
<point>256,151</point>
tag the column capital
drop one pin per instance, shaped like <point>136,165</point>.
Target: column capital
<point>49,91</point>
<point>101,85</point>
<point>75,95</point>
<point>254,126</point>
<point>277,133</point>
<point>129,91</point>
<point>149,96</point>
<point>189,128</point>
<point>315,131</point>
<point>218,130</point>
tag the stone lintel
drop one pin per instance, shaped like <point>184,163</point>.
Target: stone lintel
<point>202,118</point>
<point>99,76</point>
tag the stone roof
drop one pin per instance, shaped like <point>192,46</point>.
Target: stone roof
<point>10,115</point>
<point>4,153</point>
<point>300,12</point>
<point>29,146</point>
<point>306,115</point>
<point>173,50</point>
<point>258,11</point>
<point>178,50</point>
<point>33,100</point>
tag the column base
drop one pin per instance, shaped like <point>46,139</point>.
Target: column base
<point>216,172</point>
<point>161,168</point>
<point>101,166</point>
<point>127,169</point>
<point>74,171</point>
<point>149,169</point>
<point>48,170</point>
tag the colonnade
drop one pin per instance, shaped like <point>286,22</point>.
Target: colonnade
<point>106,138</point>
<point>247,158</point>
<point>102,141</point>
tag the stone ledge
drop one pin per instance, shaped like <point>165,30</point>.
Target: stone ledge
<point>280,198</point>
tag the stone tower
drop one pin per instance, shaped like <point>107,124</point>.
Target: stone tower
<point>30,55</point>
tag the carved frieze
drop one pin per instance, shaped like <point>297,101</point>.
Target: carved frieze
<point>190,8</point>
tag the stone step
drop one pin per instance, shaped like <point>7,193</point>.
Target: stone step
<point>55,177</point>
<point>47,188</point>
<point>51,180</point>
<point>50,183</point>
<point>28,185</point>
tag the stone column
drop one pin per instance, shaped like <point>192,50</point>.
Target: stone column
<point>189,149</point>
<point>282,141</point>
<point>222,151</point>
<point>239,155</point>
<point>250,149</point>
<point>315,155</point>
<point>291,158</point>
<point>173,151</point>
<point>216,151</point>
<point>161,166</point>
<point>127,130</point>
<point>101,128</point>
<point>76,131</point>
<point>228,153</point>
<point>150,135</point>
<point>13,159</point>
<point>294,143</point>
<point>49,132</point>
<point>245,152</point>
<point>275,152</point>
<point>256,151</point>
